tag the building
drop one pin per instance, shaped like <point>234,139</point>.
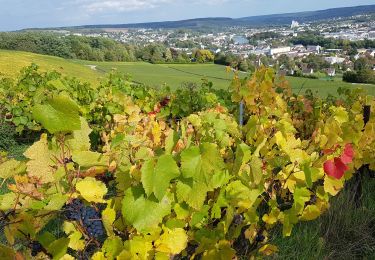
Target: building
<point>334,60</point>
<point>294,25</point>
<point>299,47</point>
<point>307,71</point>
<point>330,72</point>
<point>278,51</point>
<point>314,48</point>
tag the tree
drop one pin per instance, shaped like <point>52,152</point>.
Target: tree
<point>361,64</point>
<point>168,55</point>
<point>243,66</point>
<point>203,56</point>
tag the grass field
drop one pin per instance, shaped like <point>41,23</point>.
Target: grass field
<point>11,62</point>
<point>175,74</point>
<point>172,75</point>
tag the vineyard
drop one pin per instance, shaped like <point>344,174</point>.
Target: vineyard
<point>127,171</point>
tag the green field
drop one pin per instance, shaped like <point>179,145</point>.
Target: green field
<point>173,75</point>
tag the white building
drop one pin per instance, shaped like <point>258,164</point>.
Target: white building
<point>295,24</point>
<point>280,50</point>
<point>334,60</point>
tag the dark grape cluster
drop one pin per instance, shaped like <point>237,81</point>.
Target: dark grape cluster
<point>72,211</point>
<point>36,248</point>
<point>87,216</point>
<point>238,219</point>
<point>92,221</point>
<point>260,238</point>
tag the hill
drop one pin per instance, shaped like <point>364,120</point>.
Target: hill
<point>11,62</point>
<point>274,19</point>
<point>307,16</point>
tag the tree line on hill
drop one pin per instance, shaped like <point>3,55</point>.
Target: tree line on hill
<point>96,48</point>
<point>313,38</point>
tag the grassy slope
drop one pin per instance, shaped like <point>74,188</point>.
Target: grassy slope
<point>344,232</point>
<point>11,62</point>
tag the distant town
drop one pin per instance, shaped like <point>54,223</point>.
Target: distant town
<point>295,47</point>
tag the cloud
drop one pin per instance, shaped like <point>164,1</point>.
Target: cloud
<point>101,6</point>
<point>120,6</point>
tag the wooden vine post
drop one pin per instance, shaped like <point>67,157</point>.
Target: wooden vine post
<point>241,115</point>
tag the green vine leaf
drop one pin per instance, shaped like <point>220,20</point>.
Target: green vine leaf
<point>59,114</point>
<point>156,178</point>
<point>145,214</point>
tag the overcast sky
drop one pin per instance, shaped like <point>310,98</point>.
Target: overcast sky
<point>19,14</point>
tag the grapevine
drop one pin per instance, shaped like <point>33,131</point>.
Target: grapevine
<point>131,176</point>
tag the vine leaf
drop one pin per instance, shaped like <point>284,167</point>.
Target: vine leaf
<point>333,185</point>
<point>268,250</point>
<point>59,114</point>
<point>222,250</point>
<point>10,168</point>
<point>58,247</point>
<point>137,248</point>
<point>112,247</point>
<point>156,178</point>
<point>109,216</point>
<point>92,190</point>
<point>7,252</point>
<point>143,213</point>
<point>172,241</point>
<point>80,140</point>
<point>76,242</point>
<point>56,202</point>
<point>87,159</point>
<point>311,212</point>
<point>40,161</point>
<point>194,193</point>
<point>7,201</point>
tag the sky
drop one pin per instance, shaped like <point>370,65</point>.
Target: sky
<point>20,14</point>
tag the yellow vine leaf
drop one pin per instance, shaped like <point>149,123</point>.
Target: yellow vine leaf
<point>311,212</point>
<point>99,256</point>
<point>156,133</point>
<point>268,250</point>
<point>332,186</point>
<point>76,242</point>
<point>271,218</point>
<point>80,140</point>
<point>138,248</point>
<point>67,257</point>
<point>91,189</point>
<point>10,168</point>
<point>221,251</point>
<point>39,164</point>
<point>109,216</point>
<point>172,241</point>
